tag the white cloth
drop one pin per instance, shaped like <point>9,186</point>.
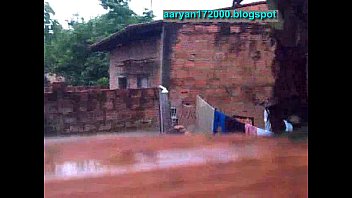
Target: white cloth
<point>289,127</point>
<point>204,115</point>
<point>262,132</point>
<point>266,120</point>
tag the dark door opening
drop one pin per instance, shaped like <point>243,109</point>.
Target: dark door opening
<point>122,82</point>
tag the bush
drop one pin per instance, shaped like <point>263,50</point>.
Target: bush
<point>103,81</point>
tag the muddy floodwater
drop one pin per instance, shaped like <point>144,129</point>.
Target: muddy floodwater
<point>175,166</point>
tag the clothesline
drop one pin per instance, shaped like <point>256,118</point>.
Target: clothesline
<point>229,124</point>
<point>209,117</point>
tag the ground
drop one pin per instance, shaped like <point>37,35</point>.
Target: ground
<point>153,165</point>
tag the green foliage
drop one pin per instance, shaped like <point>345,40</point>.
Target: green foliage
<point>104,81</point>
<point>66,50</point>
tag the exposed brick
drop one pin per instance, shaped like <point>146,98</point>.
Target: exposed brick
<point>200,28</point>
<point>110,94</point>
<point>66,110</point>
<point>105,127</point>
<point>51,107</point>
<point>218,62</point>
<point>83,106</point>
<point>109,105</point>
<point>131,124</point>
<point>89,127</point>
<point>76,128</point>
<point>69,119</point>
<point>182,73</point>
<point>118,126</point>
<point>112,115</point>
<point>95,110</point>
<point>213,28</point>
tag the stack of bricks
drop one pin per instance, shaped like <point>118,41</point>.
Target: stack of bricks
<point>99,110</point>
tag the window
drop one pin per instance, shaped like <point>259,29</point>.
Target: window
<point>122,80</point>
<point>142,82</point>
<point>174,119</point>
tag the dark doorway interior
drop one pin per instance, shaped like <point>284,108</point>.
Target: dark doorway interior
<point>122,82</point>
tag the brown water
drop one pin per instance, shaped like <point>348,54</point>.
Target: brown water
<point>149,161</point>
<point>172,166</point>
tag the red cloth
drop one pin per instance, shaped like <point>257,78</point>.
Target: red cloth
<point>250,129</point>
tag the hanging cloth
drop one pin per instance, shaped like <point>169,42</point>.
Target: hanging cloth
<point>219,121</point>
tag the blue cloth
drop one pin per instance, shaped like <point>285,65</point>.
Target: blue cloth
<point>219,121</point>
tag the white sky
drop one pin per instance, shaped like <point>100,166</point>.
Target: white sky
<point>64,9</point>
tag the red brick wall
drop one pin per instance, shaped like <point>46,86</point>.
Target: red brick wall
<point>99,110</point>
<point>77,88</point>
<point>255,6</point>
<point>230,65</point>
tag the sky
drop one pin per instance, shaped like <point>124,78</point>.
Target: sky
<point>64,9</point>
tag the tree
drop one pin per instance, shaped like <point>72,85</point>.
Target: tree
<point>48,11</point>
<point>67,54</point>
<point>51,28</point>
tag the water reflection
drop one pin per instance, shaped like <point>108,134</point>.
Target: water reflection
<point>75,168</point>
<point>146,161</point>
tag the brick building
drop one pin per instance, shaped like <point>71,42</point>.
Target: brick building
<point>235,66</point>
